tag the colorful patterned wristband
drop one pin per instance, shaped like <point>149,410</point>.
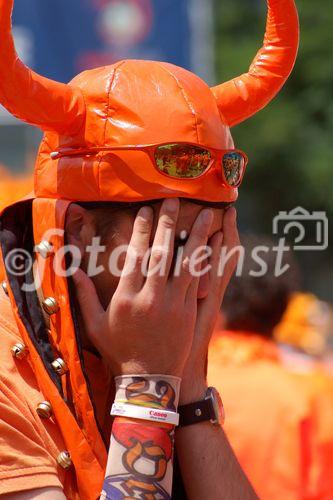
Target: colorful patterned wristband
<point>151,392</point>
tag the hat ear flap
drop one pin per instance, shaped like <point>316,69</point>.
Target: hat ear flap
<point>47,104</point>
<point>244,96</point>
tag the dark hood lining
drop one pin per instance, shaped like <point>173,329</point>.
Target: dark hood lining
<point>16,233</point>
<point>74,308</point>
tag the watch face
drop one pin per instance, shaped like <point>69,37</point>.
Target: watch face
<point>218,416</point>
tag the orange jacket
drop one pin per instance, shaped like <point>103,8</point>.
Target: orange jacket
<point>29,444</point>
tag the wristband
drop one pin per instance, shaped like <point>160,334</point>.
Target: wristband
<point>147,397</point>
<point>145,413</point>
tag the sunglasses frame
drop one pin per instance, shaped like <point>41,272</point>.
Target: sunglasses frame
<point>150,149</point>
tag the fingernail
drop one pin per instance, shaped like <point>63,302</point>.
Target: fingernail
<point>220,236</point>
<point>207,216</point>
<point>145,212</point>
<point>171,205</point>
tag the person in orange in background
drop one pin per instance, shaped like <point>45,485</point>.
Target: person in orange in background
<point>304,330</point>
<point>302,335</point>
<point>12,189</point>
<point>274,417</point>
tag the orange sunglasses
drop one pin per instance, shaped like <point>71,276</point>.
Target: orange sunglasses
<point>182,160</point>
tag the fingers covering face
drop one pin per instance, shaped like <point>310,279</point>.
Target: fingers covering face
<point>149,268</point>
<point>90,306</point>
<point>229,253</point>
<point>192,253</point>
<point>163,246</point>
<point>132,277</point>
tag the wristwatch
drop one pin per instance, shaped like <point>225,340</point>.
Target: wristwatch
<point>210,409</point>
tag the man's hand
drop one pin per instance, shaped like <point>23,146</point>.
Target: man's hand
<point>194,376</point>
<point>149,324</point>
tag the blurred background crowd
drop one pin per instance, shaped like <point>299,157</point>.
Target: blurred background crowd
<point>271,332</point>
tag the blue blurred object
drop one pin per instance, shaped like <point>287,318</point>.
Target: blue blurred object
<point>61,38</point>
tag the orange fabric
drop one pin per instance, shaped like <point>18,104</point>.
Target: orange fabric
<point>320,392</point>
<point>276,420</point>
<point>30,445</point>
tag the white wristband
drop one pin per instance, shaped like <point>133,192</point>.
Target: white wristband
<point>144,413</point>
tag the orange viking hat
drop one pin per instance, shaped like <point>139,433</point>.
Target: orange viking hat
<point>139,102</point>
<point>128,103</point>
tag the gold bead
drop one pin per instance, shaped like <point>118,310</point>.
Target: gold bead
<point>59,366</point>
<point>44,409</point>
<point>50,306</point>
<point>19,350</point>
<point>4,286</point>
<point>64,460</point>
<point>45,249</point>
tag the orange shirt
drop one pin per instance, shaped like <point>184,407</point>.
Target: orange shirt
<point>30,445</point>
<point>319,386</point>
<point>274,418</point>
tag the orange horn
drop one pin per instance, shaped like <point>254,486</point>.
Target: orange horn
<point>244,96</point>
<point>50,105</point>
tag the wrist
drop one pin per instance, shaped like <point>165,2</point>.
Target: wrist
<point>143,369</point>
<point>194,381</point>
<point>193,390</point>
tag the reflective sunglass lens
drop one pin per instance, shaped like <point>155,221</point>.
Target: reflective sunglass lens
<point>233,164</point>
<point>182,161</point>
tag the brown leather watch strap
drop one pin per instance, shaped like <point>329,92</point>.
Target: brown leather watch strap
<point>194,413</point>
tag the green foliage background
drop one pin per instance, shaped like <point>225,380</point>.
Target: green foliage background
<point>290,143</point>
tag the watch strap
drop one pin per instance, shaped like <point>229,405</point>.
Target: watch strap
<point>193,413</point>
